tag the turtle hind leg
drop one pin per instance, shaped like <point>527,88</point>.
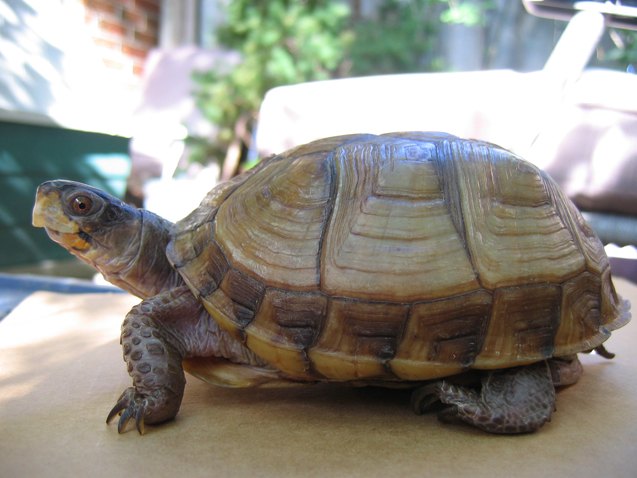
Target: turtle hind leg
<point>517,400</point>
<point>565,371</point>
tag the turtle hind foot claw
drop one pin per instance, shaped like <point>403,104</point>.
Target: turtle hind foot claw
<point>130,405</point>
<point>426,399</point>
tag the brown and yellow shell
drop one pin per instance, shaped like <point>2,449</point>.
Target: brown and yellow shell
<point>406,256</point>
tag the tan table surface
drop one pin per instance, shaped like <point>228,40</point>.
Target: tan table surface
<point>61,371</point>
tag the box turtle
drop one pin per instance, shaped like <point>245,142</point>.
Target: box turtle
<point>408,259</point>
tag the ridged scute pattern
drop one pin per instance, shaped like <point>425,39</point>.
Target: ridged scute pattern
<point>272,226</point>
<point>407,256</point>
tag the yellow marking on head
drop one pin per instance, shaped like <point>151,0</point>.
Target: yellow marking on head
<point>74,241</point>
<point>48,213</point>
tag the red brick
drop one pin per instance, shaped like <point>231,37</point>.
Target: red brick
<point>108,44</point>
<point>149,6</point>
<point>134,19</point>
<point>146,39</point>
<point>112,27</point>
<point>103,6</point>
<point>135,52</point>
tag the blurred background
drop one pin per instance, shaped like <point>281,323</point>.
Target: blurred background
<point>158,100</point>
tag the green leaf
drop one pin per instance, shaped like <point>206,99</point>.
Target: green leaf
<point>468,14</point>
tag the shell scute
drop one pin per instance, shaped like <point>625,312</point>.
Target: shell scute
<point>201,262</point>
<point>245,293</point>
<point>513,238</point>
<point>581,324</point>
<point>358,339</point>
<point>587,241</point>
<point>522,326</point>
<point>443,337</point>
<point>287,325</point>
<point>272,226</point>
<point>379,234</point>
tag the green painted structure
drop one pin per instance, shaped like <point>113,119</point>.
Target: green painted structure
<point>31,154</point>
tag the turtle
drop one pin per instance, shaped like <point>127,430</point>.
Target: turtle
<point>448,266</point>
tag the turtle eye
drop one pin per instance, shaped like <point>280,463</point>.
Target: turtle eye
<point>81,205</point>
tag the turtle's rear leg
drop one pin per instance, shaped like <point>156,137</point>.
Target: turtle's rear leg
<point>565,371</point>
<point>516,400</point>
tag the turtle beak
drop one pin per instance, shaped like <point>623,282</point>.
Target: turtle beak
<point>48,211</point>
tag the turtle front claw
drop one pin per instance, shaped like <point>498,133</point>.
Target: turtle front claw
<point>156,406</point>
<point>130,405</point>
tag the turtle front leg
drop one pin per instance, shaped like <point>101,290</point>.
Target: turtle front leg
<point>153,351</point>
<point>517,400</point>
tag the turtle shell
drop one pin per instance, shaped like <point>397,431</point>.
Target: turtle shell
<point>406,256</point>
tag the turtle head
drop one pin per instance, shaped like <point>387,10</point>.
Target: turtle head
<point>87,222</point>
<point>104,232</point>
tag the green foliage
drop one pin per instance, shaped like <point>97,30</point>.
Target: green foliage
<point>400,38</point>
<point>466,13</point>
<point>623,53</point>
<point>292,41</point>
<point>403,36</point>
<point>281,42</point>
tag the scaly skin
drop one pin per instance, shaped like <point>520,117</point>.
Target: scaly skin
<point>127,246</point>
<point>516,400</point>
<point>153,357</point>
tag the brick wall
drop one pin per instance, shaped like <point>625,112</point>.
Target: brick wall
<point>124,32</point>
